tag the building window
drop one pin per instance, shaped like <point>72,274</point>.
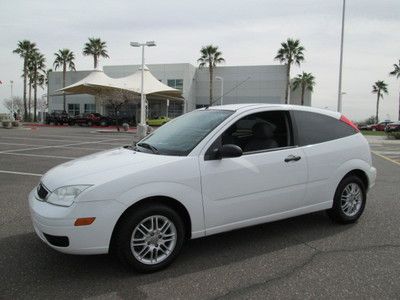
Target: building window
<point>90,108</point>
<point>74,109</point>
<point>175,83</point>
<point>175,109</point>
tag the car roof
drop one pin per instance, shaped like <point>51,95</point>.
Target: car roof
<point>250,106</point>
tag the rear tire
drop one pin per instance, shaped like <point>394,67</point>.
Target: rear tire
<point>349,200</point>
<point>158,233</point>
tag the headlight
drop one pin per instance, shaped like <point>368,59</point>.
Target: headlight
<point>66,195</point>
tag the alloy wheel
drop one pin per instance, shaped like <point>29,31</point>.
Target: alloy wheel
<point>153,239</point>
<point>351,199</point>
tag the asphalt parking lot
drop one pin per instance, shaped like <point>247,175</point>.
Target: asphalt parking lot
<point>303,257</point>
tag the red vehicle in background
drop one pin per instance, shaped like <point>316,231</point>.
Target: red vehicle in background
<point>380,126</point>
<point>90,119</point>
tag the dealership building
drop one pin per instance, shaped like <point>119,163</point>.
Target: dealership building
<point>232,84</point>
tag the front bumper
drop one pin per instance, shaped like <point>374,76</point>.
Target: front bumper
<point>58,223</point>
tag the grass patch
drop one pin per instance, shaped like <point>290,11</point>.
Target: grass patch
<point>370,132</point>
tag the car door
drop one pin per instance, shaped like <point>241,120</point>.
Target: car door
<point>262,184</point>
<point>328,142</point>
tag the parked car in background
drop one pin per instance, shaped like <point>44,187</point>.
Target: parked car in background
<point>58,117</point>
<point>158,121</point>
<point>380,126</point>
<point>121,119</point>
<point>209,171</point>
<point>364,127</point>
<point>90,119</point>
<point>394,126</point>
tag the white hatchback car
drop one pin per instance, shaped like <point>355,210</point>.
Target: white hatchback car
<point>208,171</point>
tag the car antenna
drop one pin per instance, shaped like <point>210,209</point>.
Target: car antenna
<point>232,89</point>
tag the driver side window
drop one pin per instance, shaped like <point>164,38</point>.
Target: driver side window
<point>259,132</point>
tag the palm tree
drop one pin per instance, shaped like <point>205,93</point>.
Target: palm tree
<point>379,88</point>
<point>306,81</point>
<point>96,48</point>
<point>46,81</point>
<point>396,72</point>
<point>291,52</point>
<point>65,59</point>
<point>24,49</point>
<point>37,65</point>
<point>210,57</point>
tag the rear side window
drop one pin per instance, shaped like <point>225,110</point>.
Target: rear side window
<point>314,128</point>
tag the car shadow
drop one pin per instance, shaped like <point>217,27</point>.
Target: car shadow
<point>28,263</point>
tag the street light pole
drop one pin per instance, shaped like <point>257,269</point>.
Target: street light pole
<point>222,88</point>
<point>142,128</point>
<point>142,100</point>
<point>12,100</point>
<point>339,106</point>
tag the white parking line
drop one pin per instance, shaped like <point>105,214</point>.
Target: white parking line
<point>39,155</point>
<point>81,136</point>
<point>47,147</point>
<point>37,139</point>
<point>17,144</point>
<point>20,173</point>
<point>65,147</point>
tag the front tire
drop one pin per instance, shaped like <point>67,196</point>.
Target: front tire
<point>150,238</point>
<point>349,201</point>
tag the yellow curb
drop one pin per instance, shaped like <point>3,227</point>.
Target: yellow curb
<point>387,158</point>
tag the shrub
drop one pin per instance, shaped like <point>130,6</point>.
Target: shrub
<point>6,124</point>
<point>393,135</point>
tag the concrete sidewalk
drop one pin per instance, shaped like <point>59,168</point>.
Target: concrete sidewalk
<point>382,146</point>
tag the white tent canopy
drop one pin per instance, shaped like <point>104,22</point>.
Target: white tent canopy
<point>97,82</point>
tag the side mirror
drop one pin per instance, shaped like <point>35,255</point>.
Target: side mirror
<point>226,151</point>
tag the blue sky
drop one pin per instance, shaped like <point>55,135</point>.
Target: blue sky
<point>247,32</point>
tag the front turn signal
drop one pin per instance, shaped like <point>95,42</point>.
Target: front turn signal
<point>84,221</point>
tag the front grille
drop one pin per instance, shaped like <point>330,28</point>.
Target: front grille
<point>42,192</point>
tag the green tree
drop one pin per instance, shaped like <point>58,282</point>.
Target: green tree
<point>210,56</point>
<point>96,48</point>
<point>25,49</point>
<point>64,59</point>
<point>291,52</point>
<point>37,68</point>
<point>379,88</point>
<point>306,81</point>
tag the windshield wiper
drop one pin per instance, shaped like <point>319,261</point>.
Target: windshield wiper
<point>148,146</point>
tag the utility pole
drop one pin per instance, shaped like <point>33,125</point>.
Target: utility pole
<point>12,100</point>
<point>339,105</point>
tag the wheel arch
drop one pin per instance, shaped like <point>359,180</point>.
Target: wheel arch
<point>360,174</point>
<point>168,201</point>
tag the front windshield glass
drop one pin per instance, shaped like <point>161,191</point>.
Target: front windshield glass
<point>181,135</point>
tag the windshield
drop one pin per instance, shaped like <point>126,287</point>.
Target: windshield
<point>181,135</point>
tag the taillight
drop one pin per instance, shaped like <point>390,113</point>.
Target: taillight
<point>348,122</point>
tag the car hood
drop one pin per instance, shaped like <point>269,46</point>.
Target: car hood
<point>102,167</point>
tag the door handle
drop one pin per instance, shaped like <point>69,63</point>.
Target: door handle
<point>292,158</point>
